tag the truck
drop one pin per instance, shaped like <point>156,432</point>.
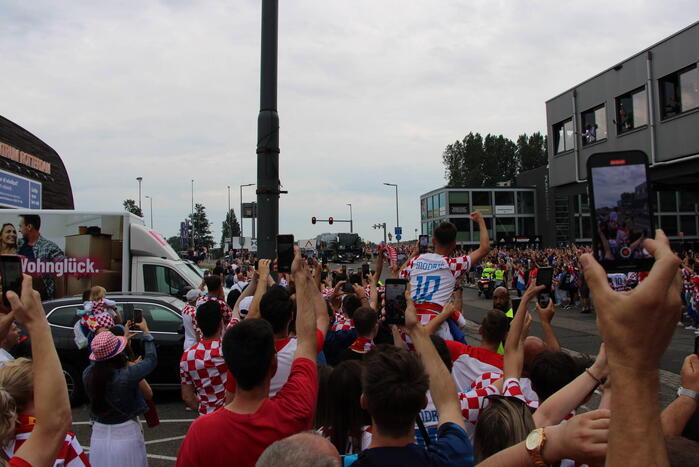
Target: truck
<point>68,252</point>
<point>340,247</point>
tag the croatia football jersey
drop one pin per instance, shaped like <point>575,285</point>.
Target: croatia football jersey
<point>203,367</point>
<point>432,280</point>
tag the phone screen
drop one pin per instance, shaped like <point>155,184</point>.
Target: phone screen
<point>621,210</point>
<point>347,287</point>
<point>544,276</point>
<point>365,269</point>
<point>11,270</point>
<point>137,315</point>
<point>285,252</point>
<point>423,243</point>
<point>395,301</point>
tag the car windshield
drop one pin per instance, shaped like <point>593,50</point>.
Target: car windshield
<point>190,273</point>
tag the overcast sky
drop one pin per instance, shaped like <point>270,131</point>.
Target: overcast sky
<point>370,91</point>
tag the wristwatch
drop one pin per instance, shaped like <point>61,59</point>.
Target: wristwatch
<point>689,393</point>
<point>534,444</point>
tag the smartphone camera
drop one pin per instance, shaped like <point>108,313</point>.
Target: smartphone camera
<point>285,252</point>
<point>347,287</point>
<point>423,243</point>
<point>395,301</point>
<point>11,270</point>
<point>544,276</point>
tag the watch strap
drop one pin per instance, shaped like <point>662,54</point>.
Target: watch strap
<point>682,391</point>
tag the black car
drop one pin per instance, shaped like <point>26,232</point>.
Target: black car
<point>161,312</point>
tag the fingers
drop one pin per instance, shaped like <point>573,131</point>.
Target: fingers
<point>595,275</point>
<point>666,262</point>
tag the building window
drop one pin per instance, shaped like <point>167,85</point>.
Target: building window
<point>669,225</point>
<point>423,208</point>
<point>525,226</point>
<point>458,197</point>
<point>563,136</point>
<point>668,201</point>
<point>562,222</point>
<point>430,208</point>
<point>525,202</point>
<point>688,200</point>
<point>481,201</point>
<point>631,110</point>
<point>504,226</point>
<point>477,232</point>
<point>594,124</point>
<point>679,92</point>
<point>443,204</point>
<point>688,225</point>
<point>504,198</point>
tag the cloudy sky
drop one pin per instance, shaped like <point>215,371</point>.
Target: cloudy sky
<point>370,91</point>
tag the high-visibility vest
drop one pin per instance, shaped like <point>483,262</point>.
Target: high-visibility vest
<point>499,275</point>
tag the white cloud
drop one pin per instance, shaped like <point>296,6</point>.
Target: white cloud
<point>368,92</point>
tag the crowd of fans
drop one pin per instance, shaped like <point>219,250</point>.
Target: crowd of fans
<point>302,370</point>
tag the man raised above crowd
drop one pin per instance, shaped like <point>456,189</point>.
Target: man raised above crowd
<point>433,275</point>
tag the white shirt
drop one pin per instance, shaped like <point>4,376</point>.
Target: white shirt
<point>5,357</point>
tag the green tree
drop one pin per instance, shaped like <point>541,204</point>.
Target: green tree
<point>463,161</point>
<point>176,243</point>
<point>532,150</point>
<point>499,163</point>
<point>228,225</point>
<point>201,227</point>
<point>131,206</point>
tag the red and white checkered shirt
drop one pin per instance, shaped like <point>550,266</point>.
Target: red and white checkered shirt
<point>190,312</point>
<point>342,323</point>
<point>98,315</point>
<point>70,455</point>
<point>226,311</point>
<point>203,367</point>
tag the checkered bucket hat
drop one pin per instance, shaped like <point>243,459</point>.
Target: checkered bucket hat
<point>106,345</point>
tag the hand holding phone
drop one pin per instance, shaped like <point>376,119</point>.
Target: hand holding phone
<point>137,315</point>
<point>544,276</point>
<point>395,301</point>
<point>285,252</point>
<point>423,244</point>
<point>11,271</point>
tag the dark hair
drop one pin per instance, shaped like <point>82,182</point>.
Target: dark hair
<point>213,282</point>
<point>322,415</point>
<point>445,233</point>
<point>248,350</point>
<point>346,416</point>
<point>364,321</point>
<point>86,295</point>
<point>277,308</point>
<point>495,326</point>
<point>32,219</point>
<point>233,297</point>
<point>99,379</point>
<point>209,318</point>
<point>394,383</point>
<point>355,278</point>
<point>442,350</point>
<point>350,304</point>
<point>550,371</point>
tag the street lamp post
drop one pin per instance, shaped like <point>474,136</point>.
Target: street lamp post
<point>194,244</point>
<point>351,224</point>
<point>396,187</point>
<point>242,239</point>
<point>151,210</point>
<point>140,179</point>
<point>230,220</point>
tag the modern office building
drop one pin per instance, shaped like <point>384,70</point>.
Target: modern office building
<point>509,212</point>
<point>648,102</point>
<point>32,174</point>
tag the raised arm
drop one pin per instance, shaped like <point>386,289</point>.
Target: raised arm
<point>676,415</point>
<point>249,290</point>
<point>442,387</point>
<point>545,317</point>
<point>51,405</point>
<point>484,244</point>
<point>263,270</point>
<point>514,346</point>
<point>305,313</point>
<point>637,327</point>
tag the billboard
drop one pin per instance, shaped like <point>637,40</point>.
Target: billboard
<point>65,253</point>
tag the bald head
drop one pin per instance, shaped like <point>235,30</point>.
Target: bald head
<point>501,299</point>
<point>300,450</point>
<point>533,346</point>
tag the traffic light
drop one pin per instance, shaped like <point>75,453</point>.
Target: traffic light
<point>313,220</point>
<point>330,220</point>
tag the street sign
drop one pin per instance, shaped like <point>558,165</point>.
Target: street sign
<point>249,210</point>
<point>398,237</point>
<point>398,231</point>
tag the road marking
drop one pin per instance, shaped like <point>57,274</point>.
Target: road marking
<point>152,456</point>
<point>165,440</point>
<point>176,420</point>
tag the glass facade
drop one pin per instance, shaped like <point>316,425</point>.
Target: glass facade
<point>508,212</point>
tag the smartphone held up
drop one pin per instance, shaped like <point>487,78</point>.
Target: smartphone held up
<point>544,276</point>
<point>620,207</point>
<point>11,271</point>
<point>285,252</point>
<point>395,301</point>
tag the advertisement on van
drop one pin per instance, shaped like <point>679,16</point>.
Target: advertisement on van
<point>66,253</point>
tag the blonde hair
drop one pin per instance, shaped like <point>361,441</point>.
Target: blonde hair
<point>97,293</point>
<point>16,391</point>
<point>503,423</point>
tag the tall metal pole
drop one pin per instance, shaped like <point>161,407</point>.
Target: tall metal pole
<point>140,179</point>
<point>396,187</point>
<point>351,224</point>
<point>268,135</point>
<point>194,244</point>
<point>230,220</point>
<point>242,239</point>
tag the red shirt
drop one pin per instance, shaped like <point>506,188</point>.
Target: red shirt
<point>226,438</point>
